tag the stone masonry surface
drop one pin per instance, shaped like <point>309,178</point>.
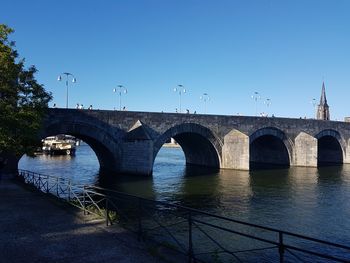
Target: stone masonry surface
<point>128,142</point>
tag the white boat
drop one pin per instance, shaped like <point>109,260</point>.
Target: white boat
<point>59,144</point>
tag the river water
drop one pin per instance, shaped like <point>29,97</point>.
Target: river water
<point>310,201</point>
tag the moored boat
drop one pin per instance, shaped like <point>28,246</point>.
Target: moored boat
<point>60,144</point>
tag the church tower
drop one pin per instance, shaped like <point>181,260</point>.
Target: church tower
<point>323,108</point>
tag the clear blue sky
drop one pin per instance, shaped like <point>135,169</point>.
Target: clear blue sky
<point>228,49</point>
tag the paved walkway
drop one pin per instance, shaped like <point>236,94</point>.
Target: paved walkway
<point>37,228</point>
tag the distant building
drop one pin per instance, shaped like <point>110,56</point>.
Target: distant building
<point>323,108</point>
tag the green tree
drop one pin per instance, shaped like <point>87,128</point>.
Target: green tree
<point>22,101</point>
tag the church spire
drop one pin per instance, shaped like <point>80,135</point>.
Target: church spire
<point>323,100</point>
<point>323,108</point>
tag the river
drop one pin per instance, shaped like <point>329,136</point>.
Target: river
<point>310,201</point>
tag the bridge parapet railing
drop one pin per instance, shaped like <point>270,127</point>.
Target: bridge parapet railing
<point>196,235</point>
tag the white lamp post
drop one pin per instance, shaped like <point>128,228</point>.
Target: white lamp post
<point>67,78</point>
<point>267,102</point>
<point>256,97</point>
<point>205,97</point>
<point>120,89</point>
<point>313,102</point>
<point>180,89</point>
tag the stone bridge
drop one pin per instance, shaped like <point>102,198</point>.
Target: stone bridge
<point>128,142</point>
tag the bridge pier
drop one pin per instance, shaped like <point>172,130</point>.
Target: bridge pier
<point>347,152</point>
<point>305,150</point>
<point>235,151</point>
<point>137,157</point>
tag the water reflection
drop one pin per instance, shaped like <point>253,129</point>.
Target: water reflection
<point>200,186</point>
<point>333,194</point>
<point>282,198</point>
<point>136,184</point>
<point>331,174</point>
<point>238,184</point>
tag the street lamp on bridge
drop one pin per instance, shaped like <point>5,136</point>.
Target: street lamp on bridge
<point>267,102</point>
<point>119,90</point>
<point>256,96</point>
<point>180,89</point>
<point>74,80</point>
<point>205,97</point>
<point>314,103</point>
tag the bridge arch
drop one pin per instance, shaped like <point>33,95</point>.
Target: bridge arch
<point>200,145</point>
<point>269,146</point>
<point>105,146</point>
<point>330,147</point>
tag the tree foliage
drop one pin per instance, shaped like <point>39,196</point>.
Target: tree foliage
<point>22,100</point>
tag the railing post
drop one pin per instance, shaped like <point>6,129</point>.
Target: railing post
<point>40,182</point>
<point>281,246</point>
<point>190,243</point>
<point>139,212</point>
<point>57,187</point>
<point>84,201</point>
<point>47,184</point>
<point>69,189</point>
<point>107,221</point>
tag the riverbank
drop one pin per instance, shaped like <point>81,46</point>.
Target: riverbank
<point>38,228</point>
<point>171,145</point>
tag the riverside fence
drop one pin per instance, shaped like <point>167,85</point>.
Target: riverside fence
<point>197,235</point>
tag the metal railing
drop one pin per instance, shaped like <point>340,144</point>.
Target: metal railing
<point>199,236</point>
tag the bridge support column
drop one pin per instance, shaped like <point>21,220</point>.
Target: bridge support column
<point>305,152</point>
<point>235,151</point>
<point>137,157</point>
<point>347,152</point>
